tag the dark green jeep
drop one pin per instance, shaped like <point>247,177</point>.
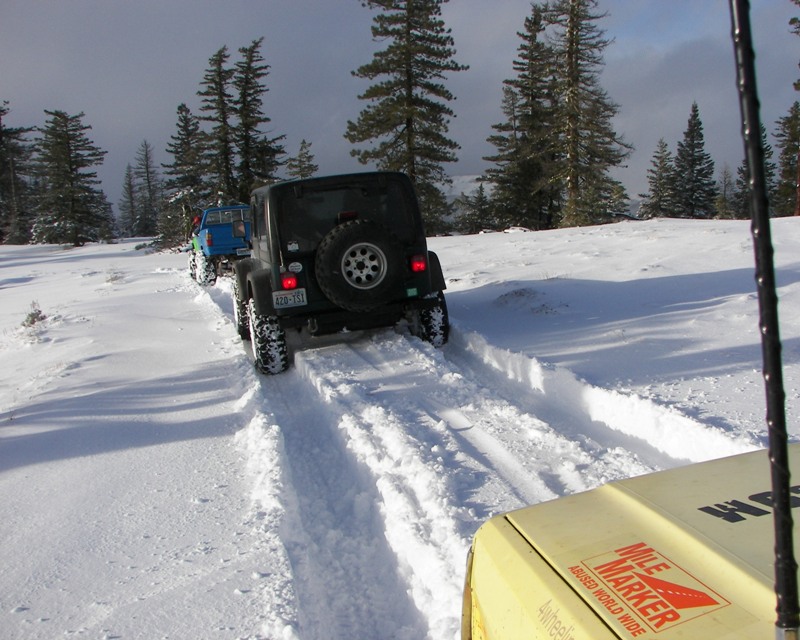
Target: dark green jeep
<point>336,253</point>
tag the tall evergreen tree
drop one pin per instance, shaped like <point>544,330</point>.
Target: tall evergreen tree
<point>269,152</point>
<point>660,200</point>
<point>742,186</point>
<point>525,192</point>
<point>515,172</point>
<point>186,187</point>
<point>70,207</point>
<point>742,194</point>
<point>258,155</point>
<point>219,110</point>
<point>128,204</point>
<point>185,172</point>
<point>15,153</point>
<point>302,165</point>
<point>795,24</point>
<point>584,114</point>
<point>694,172</point>
<point>150,191</point>
<point>786,198</point>
<point>408,114</point>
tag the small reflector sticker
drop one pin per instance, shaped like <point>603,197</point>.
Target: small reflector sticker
<point>644,590</point>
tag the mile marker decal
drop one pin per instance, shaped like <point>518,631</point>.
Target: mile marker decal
<point>644,589</point>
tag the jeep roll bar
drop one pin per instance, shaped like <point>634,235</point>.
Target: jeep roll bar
<point>788,610</point>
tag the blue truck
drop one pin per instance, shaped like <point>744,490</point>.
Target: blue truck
<point>220,238</point>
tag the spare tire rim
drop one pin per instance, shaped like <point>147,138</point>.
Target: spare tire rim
<point>364,266</point>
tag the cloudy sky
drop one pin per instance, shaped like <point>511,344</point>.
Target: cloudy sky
<point>128,65</point>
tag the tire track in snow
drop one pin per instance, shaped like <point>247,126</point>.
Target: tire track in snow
<point>347,579</point>
<point>421,521</point>
<point>386,438</point>
<point>445,451</point>
<point>433,448</point>
<point>330,572</point>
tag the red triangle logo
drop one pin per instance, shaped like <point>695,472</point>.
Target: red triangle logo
<point>679,596</point>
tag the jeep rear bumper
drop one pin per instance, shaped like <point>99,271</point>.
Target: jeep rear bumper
<point>334,320</point>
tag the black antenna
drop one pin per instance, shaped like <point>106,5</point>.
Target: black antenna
<point>788,619</point>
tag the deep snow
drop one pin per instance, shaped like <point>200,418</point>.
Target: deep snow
<point>152,485</point>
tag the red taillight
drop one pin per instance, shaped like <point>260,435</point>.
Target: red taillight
<point>346,216</point>
<point>418,263</point>
<point>208,239</point>
<point>289,280</point>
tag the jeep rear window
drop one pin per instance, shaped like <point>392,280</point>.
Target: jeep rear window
<point>307,216</point>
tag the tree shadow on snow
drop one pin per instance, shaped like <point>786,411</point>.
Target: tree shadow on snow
<point>90,420</point>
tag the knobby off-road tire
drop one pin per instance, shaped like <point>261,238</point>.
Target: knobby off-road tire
<point>268,341</point>
<point>359,266</point>
<point>192,266</point>
<point>240,317</point>
<point>206,272</point>
<point>434,323</point>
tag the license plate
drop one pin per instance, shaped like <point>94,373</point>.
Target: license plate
<point>243,252</point>
<point>285,299</point>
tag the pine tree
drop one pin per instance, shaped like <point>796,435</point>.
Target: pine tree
<point>218,104</point>
<point>268,157</point>
<point>15,152</point>
<point>660,200</point>
<point>589,147</point>
<point>510,196</point>
<point>175,221</point>
<point>612,198</point>
<point>408,114</point>
<point>477,212</point>
<point>149,191</point>
<point>795,24</point>
<point>694,172</point>
<point>525,192</point>
<point>742,186</point>
<point>186,169</point>
<point>258,155</point>
<point>517,173</point>
<point>741,197</point>
<point>302,165</point>
<point>128,205</point>
<point>186,187</point>
<point>786,196</point>
<point>70,208</point>
<point>107,229</point>
<point>726,202</point>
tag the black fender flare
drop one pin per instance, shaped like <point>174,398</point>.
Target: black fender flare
<point>437,275</point>
<point>259,287</point>
<point>240,270</point>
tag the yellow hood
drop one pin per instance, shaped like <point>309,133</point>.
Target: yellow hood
<point>684,553</point>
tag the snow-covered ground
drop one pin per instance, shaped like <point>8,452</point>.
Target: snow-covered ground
<point>153,485</point>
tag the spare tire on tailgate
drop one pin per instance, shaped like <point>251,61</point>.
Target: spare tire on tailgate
<point>359,266</point>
